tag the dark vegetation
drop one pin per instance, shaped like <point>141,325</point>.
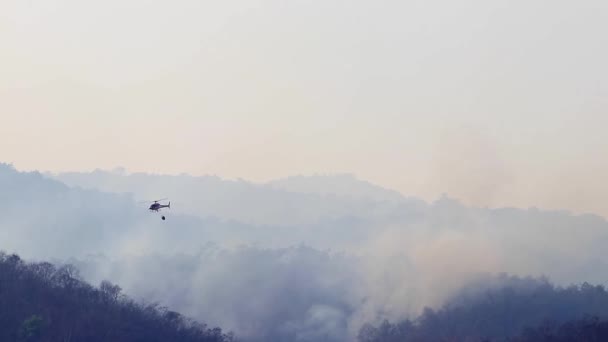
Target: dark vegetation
<point>42,302</point>
<point>588,329</point>
<point>521,310</point>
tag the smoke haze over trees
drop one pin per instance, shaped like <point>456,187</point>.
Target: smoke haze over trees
<point>299,259</point>
<point>513,309</point>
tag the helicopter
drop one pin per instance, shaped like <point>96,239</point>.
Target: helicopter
<point>157,206</point>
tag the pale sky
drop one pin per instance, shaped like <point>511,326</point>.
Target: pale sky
<point>494,102</point>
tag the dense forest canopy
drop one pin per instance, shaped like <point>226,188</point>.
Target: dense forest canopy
<point>42,302</point>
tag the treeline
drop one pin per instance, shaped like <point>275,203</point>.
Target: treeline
<point>42,302</point>
<point>522,310</point>
<point>588,329</point>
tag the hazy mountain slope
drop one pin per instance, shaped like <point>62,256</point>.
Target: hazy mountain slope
<point>344,185</point>
<point>363,263</point>
<point>500,312</point>
<point>43,218</point>
<point>286,203</point>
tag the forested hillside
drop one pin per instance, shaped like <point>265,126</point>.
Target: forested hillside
<point>367,257</point>
<point>41,302</point>
<point>523,309</point>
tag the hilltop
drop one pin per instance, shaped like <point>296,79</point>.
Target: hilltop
<point>43,302</point>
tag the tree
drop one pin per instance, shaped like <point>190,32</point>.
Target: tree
<point>31,328</point>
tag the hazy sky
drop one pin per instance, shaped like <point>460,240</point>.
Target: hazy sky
<point>495,102</point>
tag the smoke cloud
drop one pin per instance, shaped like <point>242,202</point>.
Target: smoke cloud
<point>361,254</point>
